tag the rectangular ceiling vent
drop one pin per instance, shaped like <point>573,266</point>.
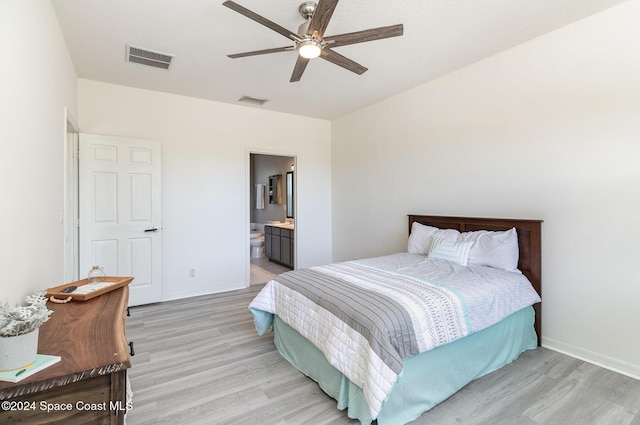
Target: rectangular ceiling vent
<point>253,100</point>
<point>148,57</point>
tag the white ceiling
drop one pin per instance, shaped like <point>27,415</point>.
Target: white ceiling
<point>440,36</point>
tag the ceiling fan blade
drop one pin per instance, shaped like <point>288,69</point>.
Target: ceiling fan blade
<point>261,52</point>
<point>366,35</point>
<point>259,19</point>
<point>301,65</point>
<point>321,17</point>
<point>342,61</point>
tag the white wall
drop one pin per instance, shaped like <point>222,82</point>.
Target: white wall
<point>549,129</point>
<point>37,81</point>
<point>205,178</point>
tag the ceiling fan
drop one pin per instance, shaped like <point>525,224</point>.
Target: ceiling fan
<point>310,40</point>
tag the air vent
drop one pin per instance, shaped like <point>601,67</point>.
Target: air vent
<point>253,100</point>
<point>148,57</point>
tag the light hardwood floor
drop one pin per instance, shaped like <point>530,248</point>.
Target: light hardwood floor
<point>199,361</point>
<point>263,270</point>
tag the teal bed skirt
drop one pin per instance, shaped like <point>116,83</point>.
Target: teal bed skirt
<point>427,378</point>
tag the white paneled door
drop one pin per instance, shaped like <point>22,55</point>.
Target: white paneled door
<point>120,223</point>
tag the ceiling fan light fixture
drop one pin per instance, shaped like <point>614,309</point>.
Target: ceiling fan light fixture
<point>310,39</point>
<point>309,48</point>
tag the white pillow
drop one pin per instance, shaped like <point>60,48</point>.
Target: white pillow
<point>451,251</point>
<point>494,249</point>
<point>421,237</point>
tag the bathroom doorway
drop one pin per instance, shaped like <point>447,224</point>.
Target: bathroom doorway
<point>272,204</point>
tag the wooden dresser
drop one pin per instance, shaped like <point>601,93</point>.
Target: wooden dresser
<point>88,386</point>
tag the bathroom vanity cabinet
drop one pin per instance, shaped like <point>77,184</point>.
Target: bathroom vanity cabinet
<point>278,245</point>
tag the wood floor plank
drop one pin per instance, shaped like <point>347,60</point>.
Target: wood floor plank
<point>582,389</point>
<point>200,361</point>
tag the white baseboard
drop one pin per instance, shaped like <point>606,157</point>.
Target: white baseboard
<point>597,359</point>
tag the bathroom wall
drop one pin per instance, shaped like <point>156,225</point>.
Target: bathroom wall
<point>263,166</point>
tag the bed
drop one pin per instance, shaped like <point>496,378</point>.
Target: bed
<point>393,336</point>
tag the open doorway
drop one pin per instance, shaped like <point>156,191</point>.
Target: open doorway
<point>271,215</point>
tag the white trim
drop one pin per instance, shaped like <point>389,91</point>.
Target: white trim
<point>69,215</point>
<point>592,357</point>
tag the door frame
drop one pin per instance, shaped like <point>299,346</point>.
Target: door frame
<point>69,215</point>
<point>248,194</point>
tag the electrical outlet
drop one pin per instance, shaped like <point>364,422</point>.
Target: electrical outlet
<point>192,272</point>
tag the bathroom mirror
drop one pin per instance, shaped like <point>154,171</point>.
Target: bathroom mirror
<point>275,189</point>
<point>289,194</point>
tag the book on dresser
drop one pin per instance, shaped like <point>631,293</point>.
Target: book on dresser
<point>42,361</point>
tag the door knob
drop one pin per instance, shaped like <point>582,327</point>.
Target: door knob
<point>153,229</point>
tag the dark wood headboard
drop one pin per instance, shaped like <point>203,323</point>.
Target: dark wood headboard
<point>529,241</point>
